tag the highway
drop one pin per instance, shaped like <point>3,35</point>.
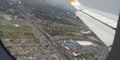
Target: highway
<point>24,13</point>
<point>4,53</point>
<point>95,27</point>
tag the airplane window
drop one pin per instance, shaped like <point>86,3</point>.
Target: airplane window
<point>58,29</point>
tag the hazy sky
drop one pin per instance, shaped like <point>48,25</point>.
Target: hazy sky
<point>110,6</point>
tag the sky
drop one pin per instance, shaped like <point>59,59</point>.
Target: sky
<point>110,6</point>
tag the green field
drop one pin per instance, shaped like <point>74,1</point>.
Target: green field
<point>15,29</point>
<point>9,31</point>
<point>86,57</point>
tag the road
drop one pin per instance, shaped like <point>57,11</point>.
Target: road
<point>24,13</point>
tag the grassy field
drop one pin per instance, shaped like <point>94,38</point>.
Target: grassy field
<point>86,57</point>
<point>21,22</point>
<point>9,31</point>
<point>15,29</point>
